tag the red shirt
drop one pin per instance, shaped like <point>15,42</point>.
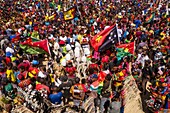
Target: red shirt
<point>93,66</point>
<point>33,70</point>
<point>8,60</point>
<point>25,64</point>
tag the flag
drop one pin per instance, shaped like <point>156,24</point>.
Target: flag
<point>69,14</point>
<point>121,53</point>
<point>30,39</point>
<point>52,17</point>
<point>150,18</point>
<point>105,38</point>
<point>125,50</point>
<point>15,38</point>
<point>128,47</point>
<point>38,47</point>
<point>96,86</point>
<point>34,39</point>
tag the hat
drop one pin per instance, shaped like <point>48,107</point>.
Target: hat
<point>94,76</point>
<point>35,62</point>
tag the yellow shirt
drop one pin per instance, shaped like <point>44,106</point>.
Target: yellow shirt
<point>52,78</point>
<point>10,75</point>
<point>79,37</point>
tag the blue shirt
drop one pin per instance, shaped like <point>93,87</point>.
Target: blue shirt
<point>137,22</point>
<point>16,75</point>
<point>56,98</point>
<point>12,36</point>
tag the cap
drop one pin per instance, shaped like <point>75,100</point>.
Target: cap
<point>35,62</point>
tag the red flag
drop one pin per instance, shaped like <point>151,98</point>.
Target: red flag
<point>99,38</point>
<point>130,47</point>
<point>17,38</point>
<point>43,44</point>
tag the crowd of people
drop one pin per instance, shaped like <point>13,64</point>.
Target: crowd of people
<point>73,71</point>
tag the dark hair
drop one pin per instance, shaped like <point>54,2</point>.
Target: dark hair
<point>77,80</point>
<point>83,81</point>
<point>91,70</point>
<point>65,78</point>
<point>22,67</point>
<point>108,77</point>
<point>15,68</point>
<point>9,65</point>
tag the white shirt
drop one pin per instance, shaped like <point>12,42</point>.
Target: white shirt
<point>77,52</point>
<point>63,38</point>
<point>119,31</point>
<point>40,74</point>
<point>56,46</point>
<point>8,49</point>
<point>142,59</point>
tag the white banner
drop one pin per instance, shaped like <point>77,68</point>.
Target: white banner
<point>133,103</point>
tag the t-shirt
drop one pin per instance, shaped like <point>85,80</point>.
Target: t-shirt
<point>9,51</point>
<point>1,59</point>
<point>25,64</point>
<point>115,107</point>
<point>66,88</point>
<point>120,32</point>
<point>77,89</point>
<point>56,98</point>
<point>10,75</point>
<point>33,72</point>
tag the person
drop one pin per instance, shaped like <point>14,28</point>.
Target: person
<point>10,73</point>
<point>56,96</point>
<point>77,93</point>
<point>65,86</point>
<point>144,22</point>
<point>115,104</point>
<point>106,93</point>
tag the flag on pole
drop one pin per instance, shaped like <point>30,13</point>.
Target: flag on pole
<point>125,50</point>
<point>15,38</point>
<point>38,47</point>
<point>150,18</point>
<point>69,14</point>
<point>130,47</point>
<point>105,38</point>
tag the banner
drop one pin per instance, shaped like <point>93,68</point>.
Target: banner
<point>133,103</point>
<point>89,105</point>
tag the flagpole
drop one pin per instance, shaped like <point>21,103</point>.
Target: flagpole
<point>117,34</point>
